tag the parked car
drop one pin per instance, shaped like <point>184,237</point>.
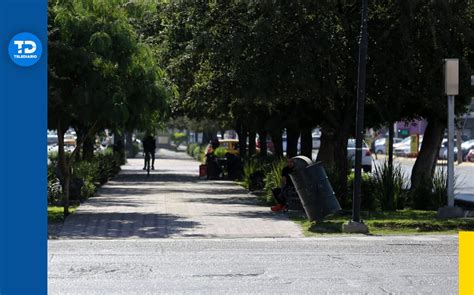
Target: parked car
<point>465,148</point>
<point>403,148</point>
<point>443,150</point>
<point>52,139</point>
<point>381,144</point>
<point>470,156</point>
<point>366,155</point>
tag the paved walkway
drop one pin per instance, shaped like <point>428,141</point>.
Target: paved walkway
<point>173,203</point>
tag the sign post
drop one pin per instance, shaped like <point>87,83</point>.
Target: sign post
<point>451,88</point>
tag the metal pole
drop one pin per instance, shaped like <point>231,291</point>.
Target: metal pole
<point>458,143</point>
<point>450,180</point>
<point>360,112</point>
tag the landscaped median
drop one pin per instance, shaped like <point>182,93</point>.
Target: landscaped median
<point>387,223</point>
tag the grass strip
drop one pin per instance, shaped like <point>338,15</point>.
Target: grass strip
<point>56,213</point>
<point>388,223</point>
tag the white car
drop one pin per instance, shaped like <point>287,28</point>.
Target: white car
<point>381,144</point>
<point>366,155</point>
<point>404,148</point>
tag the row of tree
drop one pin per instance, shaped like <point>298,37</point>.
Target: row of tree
<point>102,75</point>
<point>261,67</point>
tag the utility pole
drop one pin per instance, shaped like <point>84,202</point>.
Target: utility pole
<point>356,225</point>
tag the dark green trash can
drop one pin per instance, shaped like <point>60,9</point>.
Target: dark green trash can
<point>315,191</point>
<point>293,200</point>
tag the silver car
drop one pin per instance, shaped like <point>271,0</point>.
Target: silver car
<point>366,155</point>
<point>381,144</point>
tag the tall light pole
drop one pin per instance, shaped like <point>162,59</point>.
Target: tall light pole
<point>356,225</point>
<point>451,88</point>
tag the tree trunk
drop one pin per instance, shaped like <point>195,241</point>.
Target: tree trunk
<point>119,145</point>
<point>263,142</point>
<point>129,144</point>
<point>342,166</point>
<point>88,148</point>
<point>277,142</point>
<point>307,143</point>
<point>425,164</point>
<point>64,170</point>
<point>333,154</point>
<point>292,136</point>
<point>326,149</point>
<point>252,147</point>
<point>207,137</point>
<point>391,134</point>
<point>242,133</point>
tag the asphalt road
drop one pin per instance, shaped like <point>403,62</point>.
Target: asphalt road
<point>336,264</point>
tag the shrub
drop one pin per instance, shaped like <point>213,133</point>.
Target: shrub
<point>88,172</point>
<point>440,187</point>
<point>54,187</point>
<point>86,176</point>
<point>250,167</point>
<point>220,152</point>
<point>333,174</point>
<point>273,177</point>
<point>109,164</point>
<point>178,138</point>
<point>197,152</point>
<point>389,186</point>
<point>432,193</point>
<point>368,199</point>
<point>135,150</point>
<point>53,157</point>
<point>190,148</point>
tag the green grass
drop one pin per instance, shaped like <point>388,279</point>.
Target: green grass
<point>389,223</point>
<point>56,215</point>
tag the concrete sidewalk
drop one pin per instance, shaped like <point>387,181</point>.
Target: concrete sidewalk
<point>173,203</point>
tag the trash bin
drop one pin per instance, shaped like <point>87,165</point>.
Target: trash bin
<point>293,201</point>
<point>301,162</point>
<point>315,191</point>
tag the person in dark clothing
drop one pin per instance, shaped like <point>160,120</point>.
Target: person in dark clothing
<point>149,147</point>
<point>287,186</point>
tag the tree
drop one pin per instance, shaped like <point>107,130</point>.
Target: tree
<point>100,75</point>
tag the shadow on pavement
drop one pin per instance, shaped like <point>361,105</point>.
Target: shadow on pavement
<point>127,191</point>
<point>255,214</point>
<point>124,225</point>
<point>106,203</point>
<point>226,201</point>
<point>131,176</point>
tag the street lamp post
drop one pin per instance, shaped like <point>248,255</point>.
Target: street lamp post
<point>356,225</point>
<point>451,87</point>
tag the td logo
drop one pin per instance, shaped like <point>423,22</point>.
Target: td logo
<point>25,49</point>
